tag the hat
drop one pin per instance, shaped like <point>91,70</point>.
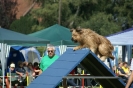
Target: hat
<point>12,65</point>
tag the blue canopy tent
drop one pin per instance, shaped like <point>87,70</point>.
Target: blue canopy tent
<point>14,56</point>
<point>19,53</point>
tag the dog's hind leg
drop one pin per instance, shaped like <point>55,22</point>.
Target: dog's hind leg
<point>103,58</point>
<point>93,50</point>
<point>98,55</point>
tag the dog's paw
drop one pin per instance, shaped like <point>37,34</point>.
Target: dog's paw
<point>75,48</point>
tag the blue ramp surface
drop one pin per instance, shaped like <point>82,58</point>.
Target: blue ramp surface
<point>67,62</point>
<point>60,68</point>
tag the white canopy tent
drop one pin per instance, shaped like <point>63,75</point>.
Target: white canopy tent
<point>124,38</point>
<point>8,37</point>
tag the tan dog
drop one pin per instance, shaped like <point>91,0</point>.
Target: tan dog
<point>95,42</point>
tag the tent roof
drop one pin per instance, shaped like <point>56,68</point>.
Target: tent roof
<point>19,47</point>
<point>58,35</point>
<point>15,38</point>
<point>122,38</point>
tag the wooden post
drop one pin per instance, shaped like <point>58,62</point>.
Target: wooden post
<point>83,79</point>
<point>64,83</point>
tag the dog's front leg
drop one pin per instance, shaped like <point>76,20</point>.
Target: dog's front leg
<point>78,47</point>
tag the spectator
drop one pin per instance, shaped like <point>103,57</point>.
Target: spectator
<point>47,60</point>
<point>11,72</point>
<point>36,69</point>
<point>30,68</point>
<point>21,72</point>
<point>125,68</point>
<point>121,72</point>
<point>71,81</point>
<point>30,71</point>
<point>114,69</point>
<point>130,80</point>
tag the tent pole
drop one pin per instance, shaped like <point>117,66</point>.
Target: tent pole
<point>61,42</point>
<point>1,54</point>
<point>129,54</point>
<point>3,60</point>
<point>123,52</point>
<point>7,54</point>
<point>7,48</point>
<point>116,55</point>
<point>32,54</point>
<point>4,55</point>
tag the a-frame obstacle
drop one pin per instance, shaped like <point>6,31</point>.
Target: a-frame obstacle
<point>67,62</point>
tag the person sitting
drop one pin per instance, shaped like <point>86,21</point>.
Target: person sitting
<point>125,68</point>
<point>70,81</point>
<point>121,72</point>
<point>21,72</point>
<point>29,69</point>
<point>28,66</point>
<point>11,72</point>
<point>36,69</point>
<point>114,69</point>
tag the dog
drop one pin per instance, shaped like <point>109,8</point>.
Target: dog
<point>98,44</point>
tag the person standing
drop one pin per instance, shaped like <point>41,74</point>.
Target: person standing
<point>47,60</point>
<point>130,79</point>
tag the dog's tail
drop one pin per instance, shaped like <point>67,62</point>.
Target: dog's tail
<point>111,56</point>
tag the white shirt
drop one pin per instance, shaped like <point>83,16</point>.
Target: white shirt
<point>131,67</point>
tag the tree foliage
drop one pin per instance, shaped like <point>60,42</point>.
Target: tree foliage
<point>24,25</point>
<point>102,24</point>
<point>7,12</point>
<point>103,16</point>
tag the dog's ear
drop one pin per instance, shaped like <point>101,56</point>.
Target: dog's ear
<point>71,30</point>
<point>78,29</point>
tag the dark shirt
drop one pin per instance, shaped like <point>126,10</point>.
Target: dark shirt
<point>123,77</point>
<point>121,70</point>
<point>21,70</point>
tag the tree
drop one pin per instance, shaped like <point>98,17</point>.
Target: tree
<point>7,12</point>
<point>124,11</point>
<point>47,15</point>
<point>103,16</point>
<point>102,24</point>
<point>24,25</point>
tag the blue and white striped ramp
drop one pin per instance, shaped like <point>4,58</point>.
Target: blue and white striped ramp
<point>67,62</point>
